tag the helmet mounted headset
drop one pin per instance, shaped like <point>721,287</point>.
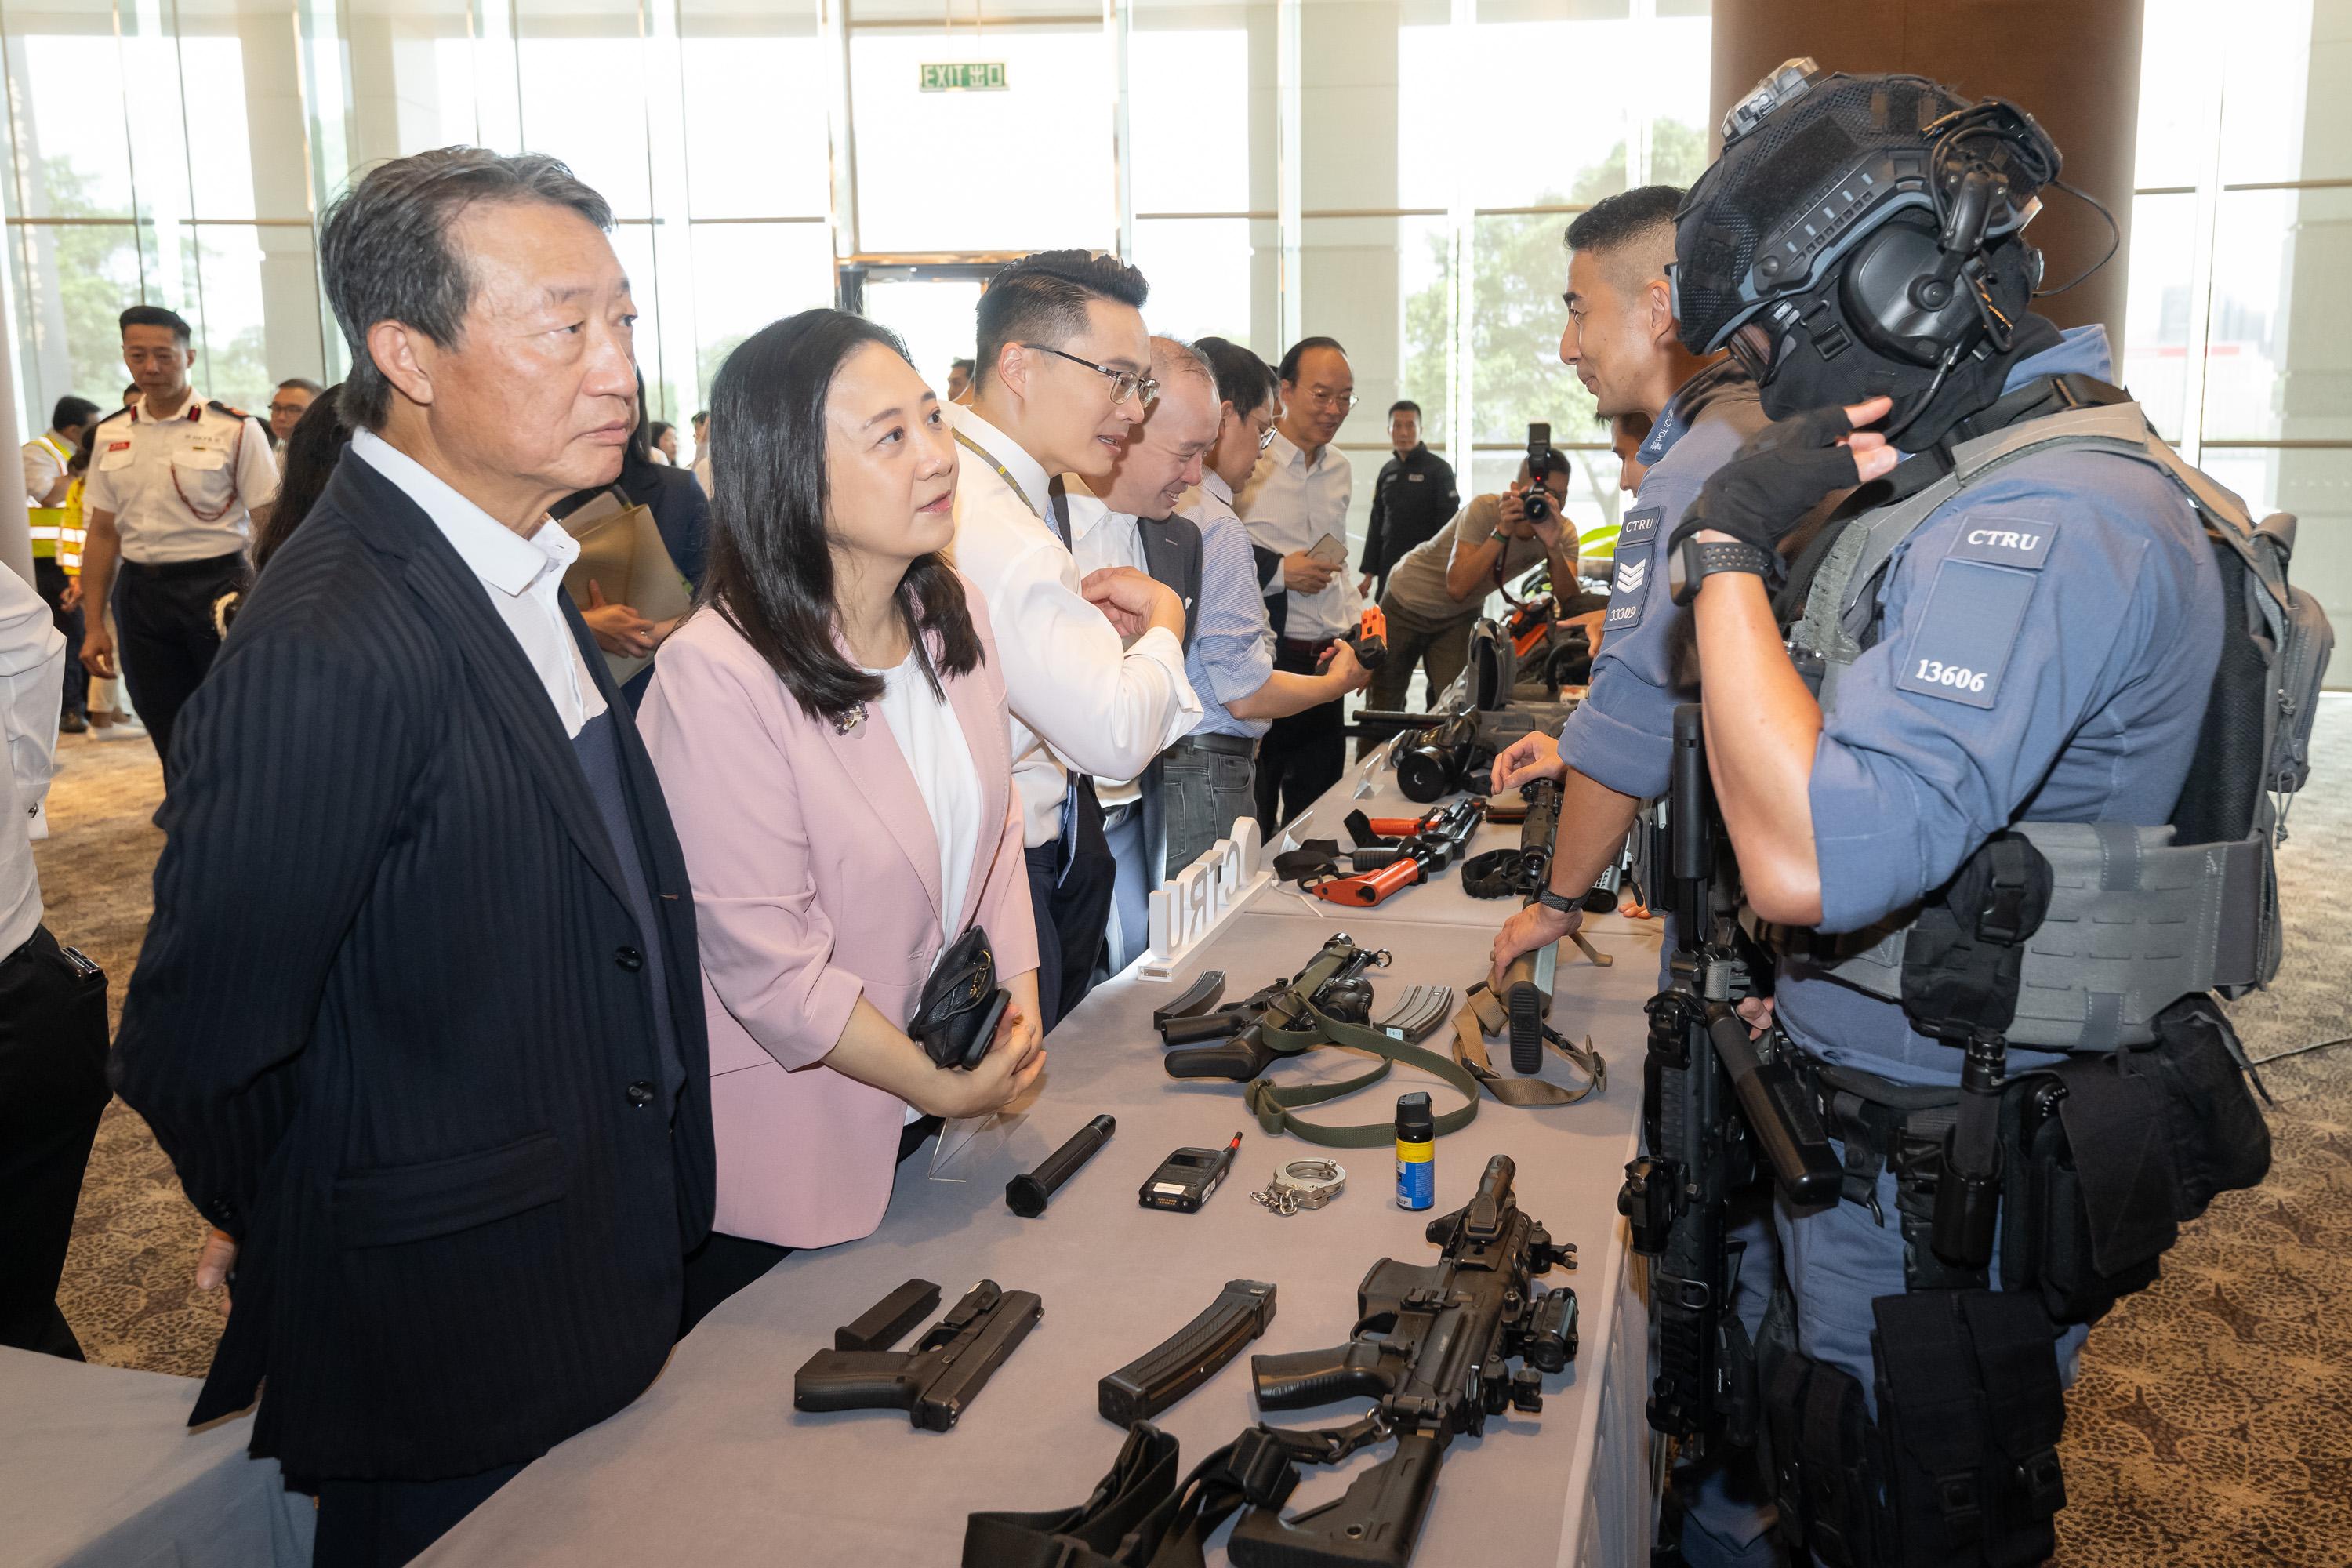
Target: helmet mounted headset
<point>1878,217</point>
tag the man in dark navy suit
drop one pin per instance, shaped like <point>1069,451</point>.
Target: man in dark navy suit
<point>418,1017</point>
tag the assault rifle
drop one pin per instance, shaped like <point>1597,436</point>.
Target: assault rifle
<point>1432,1349</point>
<point>1715,1106</point>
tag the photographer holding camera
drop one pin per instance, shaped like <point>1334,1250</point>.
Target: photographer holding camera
<point>1437,592</point>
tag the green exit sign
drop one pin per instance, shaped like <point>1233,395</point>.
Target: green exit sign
<point>986,76</point>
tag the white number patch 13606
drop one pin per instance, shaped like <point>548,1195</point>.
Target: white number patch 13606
<point>1935,672</point>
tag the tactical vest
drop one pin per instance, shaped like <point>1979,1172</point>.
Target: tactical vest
<point>2139,916</point>
<point>56,529</point>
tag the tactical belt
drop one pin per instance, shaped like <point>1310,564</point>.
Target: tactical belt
<point>2135,921</point>
<point>1483,1014</point>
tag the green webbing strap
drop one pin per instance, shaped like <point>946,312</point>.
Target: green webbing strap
<point>1482,1016</point>
<point>1272,1104</point>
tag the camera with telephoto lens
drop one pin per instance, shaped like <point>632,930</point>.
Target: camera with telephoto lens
<point>1536,502</point>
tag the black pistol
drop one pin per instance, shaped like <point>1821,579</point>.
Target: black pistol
<point>940,1375</point>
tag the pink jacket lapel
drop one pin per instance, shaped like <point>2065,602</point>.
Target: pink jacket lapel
<point>870,755</point>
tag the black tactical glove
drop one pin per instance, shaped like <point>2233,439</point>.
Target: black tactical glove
<point>1780,474</point>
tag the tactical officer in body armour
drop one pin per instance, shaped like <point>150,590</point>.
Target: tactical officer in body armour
<point>2013,633</point>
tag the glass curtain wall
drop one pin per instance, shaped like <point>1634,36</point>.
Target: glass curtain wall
<point>1395,173</point>
<point>2239,334</point>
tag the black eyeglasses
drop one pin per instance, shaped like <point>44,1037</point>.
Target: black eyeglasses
<point>1124,383</point>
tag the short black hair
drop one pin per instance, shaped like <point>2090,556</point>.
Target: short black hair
<point>702,416</point>
<point>385,254</point>
<point>156,315</point>
<point>1288,369</point>
<point>1405,405</point>
<point>1045,296</point>
<point>964,365</point>
<point>304,382</point>
<point>1613,221</point>
<point>71,410</point>
<point>1243,378</point>
<point>130,391</point>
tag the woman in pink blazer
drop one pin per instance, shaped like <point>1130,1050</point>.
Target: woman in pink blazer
<point>831,734</point>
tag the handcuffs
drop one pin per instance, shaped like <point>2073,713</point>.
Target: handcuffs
<point>1301,1185</point>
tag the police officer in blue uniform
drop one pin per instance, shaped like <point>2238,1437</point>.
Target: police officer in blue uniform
<point>2014,624</point>
<point>1624,344</point>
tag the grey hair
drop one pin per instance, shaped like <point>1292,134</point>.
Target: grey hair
<point>384,253</point>
<point>1176,357</point>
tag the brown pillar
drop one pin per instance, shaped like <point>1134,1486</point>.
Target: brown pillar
<point>2074,64</point>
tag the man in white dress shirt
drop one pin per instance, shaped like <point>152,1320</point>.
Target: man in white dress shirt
<point>1063,378</point>
<point>1296,508</point>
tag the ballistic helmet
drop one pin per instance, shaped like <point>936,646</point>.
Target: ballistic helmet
<point>1814,165</point>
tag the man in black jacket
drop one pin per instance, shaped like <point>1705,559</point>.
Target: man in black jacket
<point>418,1018</point>
<point>1412,499</point>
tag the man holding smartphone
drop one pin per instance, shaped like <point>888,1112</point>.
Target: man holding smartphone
<point>1295,506</point>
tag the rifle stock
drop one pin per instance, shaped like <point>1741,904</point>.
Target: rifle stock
<point>1373,1524</point>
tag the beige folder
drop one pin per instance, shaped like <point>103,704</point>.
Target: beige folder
<point>622,552</point>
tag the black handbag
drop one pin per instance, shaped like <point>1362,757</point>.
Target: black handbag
<point>961,1003</point>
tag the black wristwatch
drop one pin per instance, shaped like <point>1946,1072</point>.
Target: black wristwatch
<point>1696,562</point>
<point>1559,903</point>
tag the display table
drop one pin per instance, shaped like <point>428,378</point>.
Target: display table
<point>98,1467</point>
<point>712,1466</point>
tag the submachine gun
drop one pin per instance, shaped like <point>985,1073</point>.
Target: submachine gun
<point>1332,984</point>
<point>1715,1107</point>
<point>1432,1349</point>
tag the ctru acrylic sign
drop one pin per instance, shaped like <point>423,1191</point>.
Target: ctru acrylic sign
<point>985,75</point>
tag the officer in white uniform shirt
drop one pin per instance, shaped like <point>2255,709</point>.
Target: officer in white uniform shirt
<point>1094,664</point>
<point>176,488</point>
<point>1296,498</point>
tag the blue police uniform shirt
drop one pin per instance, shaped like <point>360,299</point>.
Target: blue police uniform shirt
<point>1621,734</point>
<point>2048,643</point>
<point>1233,643</point>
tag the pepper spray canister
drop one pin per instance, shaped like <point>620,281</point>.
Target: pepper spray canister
<point>1416,1144</point>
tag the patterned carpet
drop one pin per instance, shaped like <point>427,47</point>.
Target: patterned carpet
<point>2211,1428</point>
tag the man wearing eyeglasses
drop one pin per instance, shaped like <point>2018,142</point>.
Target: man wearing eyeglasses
<point>1296,508</point>
<point>288,405</point>
<point>1094,666</point>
